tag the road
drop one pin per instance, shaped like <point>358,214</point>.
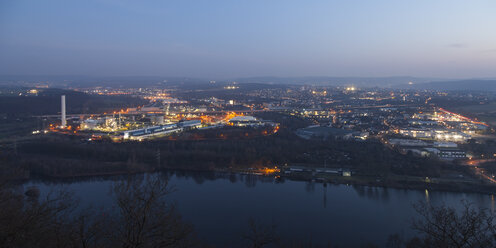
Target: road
<point>475,163</point>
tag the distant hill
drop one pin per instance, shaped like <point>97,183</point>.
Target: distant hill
<point>469,84</point>
<point>400,82</point>
<point>64,81</point>
<point>339,81</point>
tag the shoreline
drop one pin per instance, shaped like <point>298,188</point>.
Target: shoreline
<point>335,180</point>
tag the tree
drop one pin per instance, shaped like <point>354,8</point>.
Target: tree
<point>144,218</point>
<point>260,235</point>
<point>29,222</point>
<point>446,227</point>
<point>141,218</point>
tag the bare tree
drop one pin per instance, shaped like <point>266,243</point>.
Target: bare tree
<point>394,241</point>
<point>260,235</point>
<point>28,222</point>
<point>446,227</point>
<point>88,230</point>
<point>144,218</point>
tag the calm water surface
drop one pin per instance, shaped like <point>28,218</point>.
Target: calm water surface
<point>220,206</point>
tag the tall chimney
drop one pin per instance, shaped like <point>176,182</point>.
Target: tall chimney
<point>62,111</point>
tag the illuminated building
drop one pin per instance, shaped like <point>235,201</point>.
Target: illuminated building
<point>243,121</point>
<point>417,133</point>
<point>407,142</point>
<point>190,124</point>
<point>144,133</point>
<point>90,124</point>
<point>440,134</point>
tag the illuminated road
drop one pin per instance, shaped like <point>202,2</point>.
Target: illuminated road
<point>474,164</point>
<point>463,117</point>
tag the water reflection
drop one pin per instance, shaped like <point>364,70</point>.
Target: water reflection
<point>373,193</point>
<point>310,187</point>
<point>322,211</point>
<point>233,178</point>
<point>380,194</point>
<point>250,180</point>
<point>492,204</point>
<point>325,195</point>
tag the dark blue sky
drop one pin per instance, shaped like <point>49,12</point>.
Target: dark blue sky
<point>238,38</point>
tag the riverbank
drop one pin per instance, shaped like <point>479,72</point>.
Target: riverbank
<point>407,184</point>
<point>391,181</point>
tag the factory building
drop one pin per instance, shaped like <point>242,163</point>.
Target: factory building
<point>143,133</point>
<point>436,134</point>
<point>192,124</point>
<point>157,119</point>
<point>451,135</point>
<point>245,121</point>
<point>161,130</point>
<point>407,142</point>
<point>447,153</point>
<point>90,124</point>
<point>417,133</point>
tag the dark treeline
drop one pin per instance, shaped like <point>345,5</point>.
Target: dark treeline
<point>484,148</point>
<point>60,156</point>
<point>66,156</point>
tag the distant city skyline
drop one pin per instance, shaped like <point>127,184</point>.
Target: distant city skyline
<point>223,39</point>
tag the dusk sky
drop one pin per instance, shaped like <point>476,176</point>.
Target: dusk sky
<point>228,38</point>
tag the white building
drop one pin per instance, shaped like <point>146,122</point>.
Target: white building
<point>417,133</point>
<point>244,121</point>
<point>451,135</point>
<point>407,142</point>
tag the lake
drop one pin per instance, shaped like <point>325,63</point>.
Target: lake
<point>219,205</point>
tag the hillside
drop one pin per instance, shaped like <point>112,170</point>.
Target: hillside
<point>469,84</point>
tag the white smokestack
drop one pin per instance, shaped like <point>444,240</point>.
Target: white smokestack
<point>62,111</point>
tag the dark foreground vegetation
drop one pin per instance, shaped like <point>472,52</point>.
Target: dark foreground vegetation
<point>61,156</point>
<point>65,156</point>
<point>140,217</point>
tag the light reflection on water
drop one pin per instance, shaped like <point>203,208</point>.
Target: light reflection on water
<point>220,204</point>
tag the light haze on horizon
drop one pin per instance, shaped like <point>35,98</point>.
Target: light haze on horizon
<point>228,38</point>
